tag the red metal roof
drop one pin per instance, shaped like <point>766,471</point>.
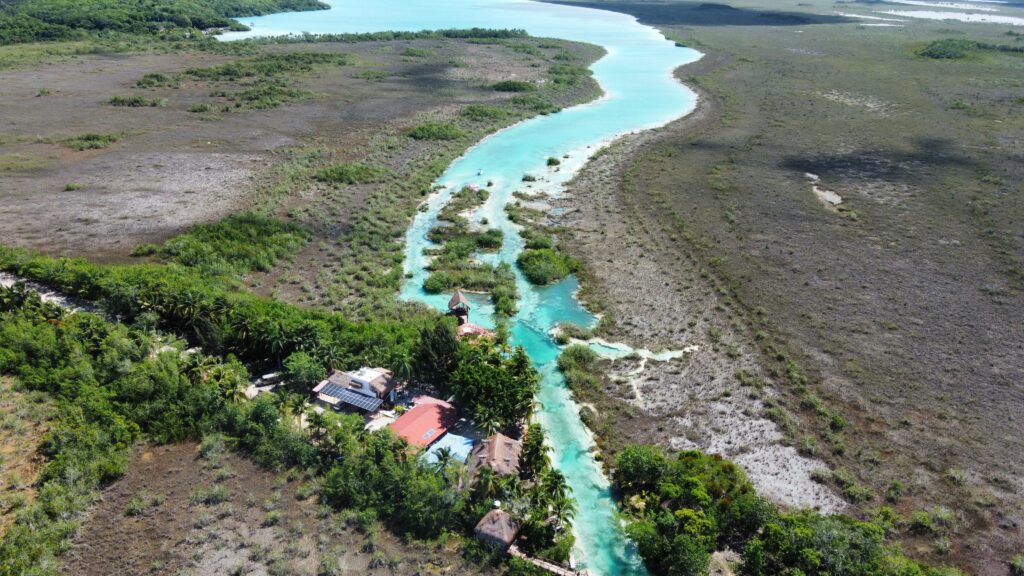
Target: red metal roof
<point>426,422</point>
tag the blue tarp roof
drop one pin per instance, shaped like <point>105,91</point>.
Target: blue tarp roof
<point>460,447</point>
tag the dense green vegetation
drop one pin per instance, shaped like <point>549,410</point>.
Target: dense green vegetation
<point>47,20</point>
<point>568,74</point>
<point>268,66</point>
<point>91,141</point>
<point>686,506</point>
<point>514,86</point>
<point>233,246</point>
<point>483,112</point>
<point>437,131</point>
<point>157,80</point>
<point>544,265</point>
<point>133,102</point>
<point>495,387</point>
<point>575,362</point>
<point>957,48</point>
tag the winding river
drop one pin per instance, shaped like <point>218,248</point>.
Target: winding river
<point>640,93</point>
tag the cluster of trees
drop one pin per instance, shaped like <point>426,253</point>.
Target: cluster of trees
<point>493,384</point>
<point>116,383</point>
<point>437,131</point>
<point>47,20</point>
<point>233,246</point>
<point>110,388</point>
<point>957,48</point>
<point>546,265</point>
<point>684,507</point>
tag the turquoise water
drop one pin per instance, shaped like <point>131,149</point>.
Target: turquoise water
<point>640,93</point>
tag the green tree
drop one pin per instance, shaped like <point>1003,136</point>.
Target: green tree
<point>303,372</point>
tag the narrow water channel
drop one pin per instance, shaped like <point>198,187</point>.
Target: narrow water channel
<point>640,93</point>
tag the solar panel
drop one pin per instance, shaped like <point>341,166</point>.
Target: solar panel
<point>333,390</point>
<point>356,399</point>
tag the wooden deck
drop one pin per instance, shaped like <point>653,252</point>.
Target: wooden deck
<point>544,565</point>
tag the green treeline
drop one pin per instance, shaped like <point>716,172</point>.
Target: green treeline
<point>387,35</point>
<point>683,507</point>
<point>209,313</point>
<point>957,48</point>
<point>49,20</point>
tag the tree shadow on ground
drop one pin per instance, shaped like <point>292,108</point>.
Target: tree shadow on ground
<point>708,14</point>
<point>885,164</point>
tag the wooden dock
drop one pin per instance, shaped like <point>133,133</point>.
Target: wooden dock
<point>545,565</point>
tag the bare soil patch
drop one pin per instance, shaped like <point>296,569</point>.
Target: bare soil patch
<point>153,522</point>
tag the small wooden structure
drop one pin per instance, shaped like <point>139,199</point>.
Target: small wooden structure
<point>545,565</point>
<point>459,307</point>
<point>497,529</point>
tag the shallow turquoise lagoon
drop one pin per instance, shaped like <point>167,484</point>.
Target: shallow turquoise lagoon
<point>640,93</point>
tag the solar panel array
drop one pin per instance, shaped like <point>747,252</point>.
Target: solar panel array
<point>349,397</point>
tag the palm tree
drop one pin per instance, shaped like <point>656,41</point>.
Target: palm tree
<point>487,484</point>
<point>296,405</point>
<point>289,404</point>
<point>551,489</point>
<point>198,364</point>
<point>553,485</point>
<point>404,365</point>
<point>317,425</point>
<point>490,424</point>
<point>562,508</point>
<point>444,460</point>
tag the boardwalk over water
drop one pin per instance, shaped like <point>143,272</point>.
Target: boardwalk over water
<point>544,565</point>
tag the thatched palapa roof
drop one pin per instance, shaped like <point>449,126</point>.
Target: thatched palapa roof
<point>458,299</point>
<point>497,528</point>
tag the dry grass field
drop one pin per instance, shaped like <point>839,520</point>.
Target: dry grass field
<point>189,509</point>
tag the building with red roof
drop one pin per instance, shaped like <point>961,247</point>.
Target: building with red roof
<point>427,421</point>
<point>472,331</point>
